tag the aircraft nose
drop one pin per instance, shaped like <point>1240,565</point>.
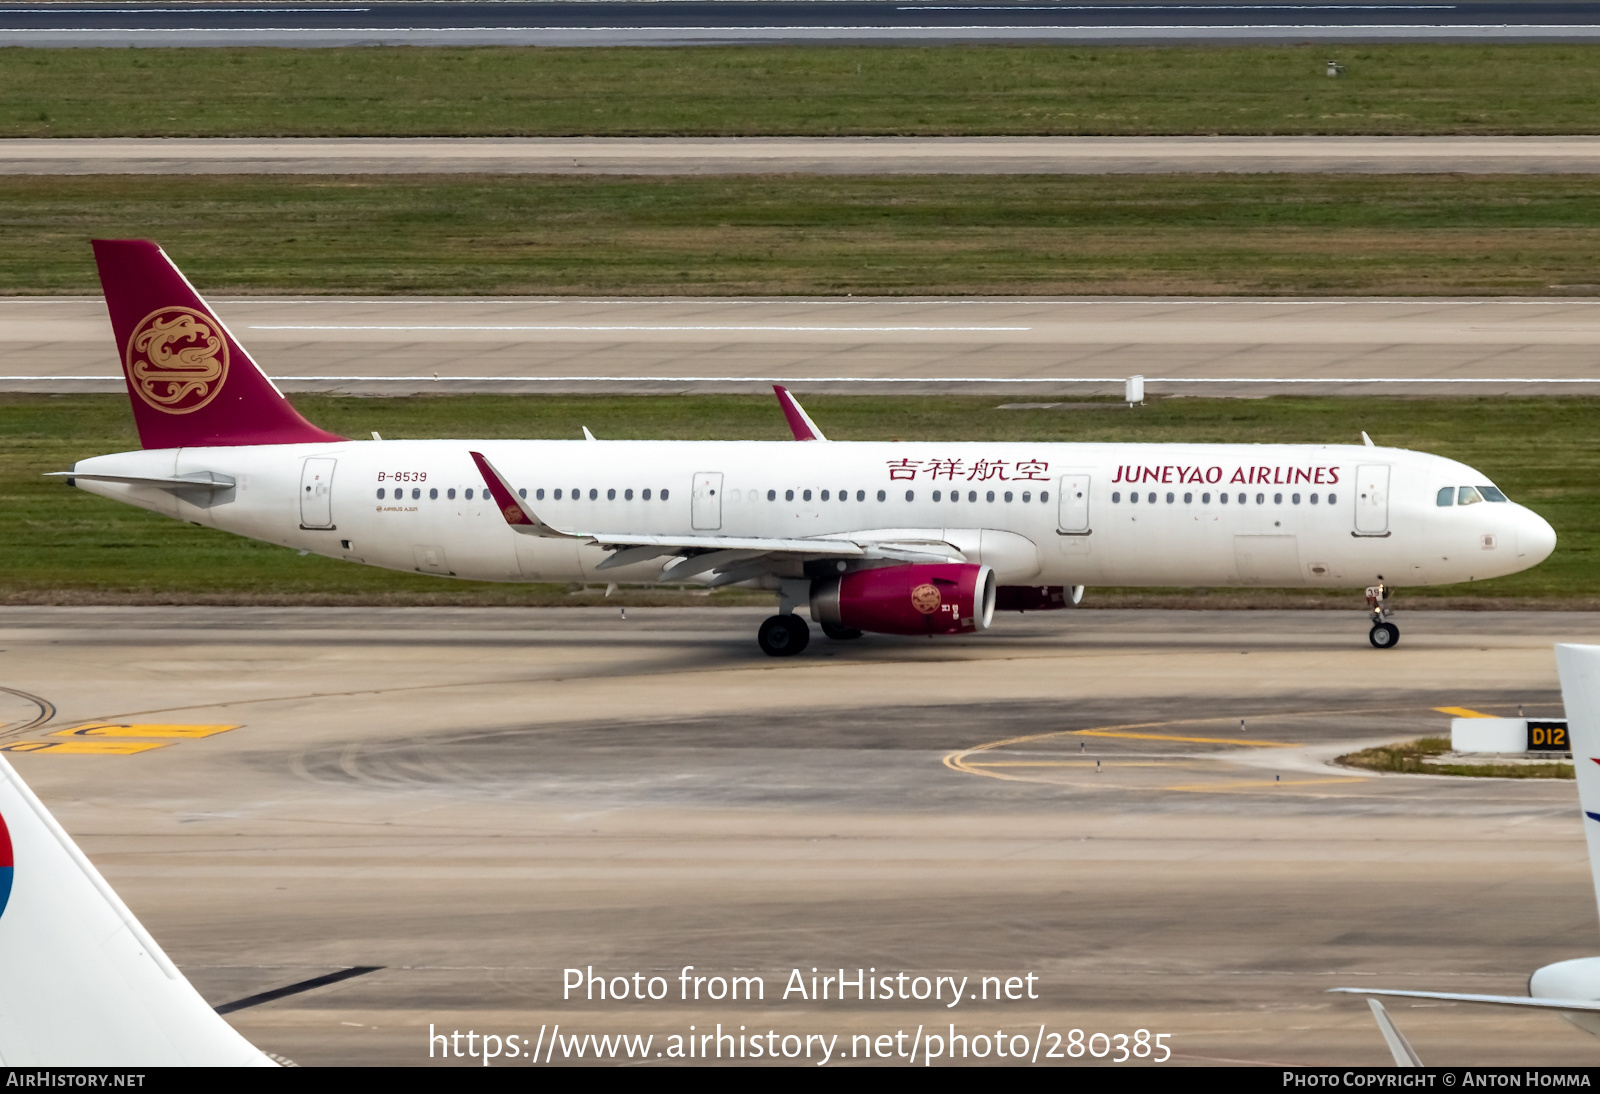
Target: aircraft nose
<point>1535,538</point>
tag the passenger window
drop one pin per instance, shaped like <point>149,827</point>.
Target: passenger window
<point>1333,498</point>
<point>788,495</point>
<point>1277,499</point>
<point>1490,493</point>
<point>1008,495</point>
<point>416,493</point>
<point>772,495</point>
<point>1027,495</point>
<point>1205,499</point>
<point>937,495</point>
<point>380,493</point>
<point>1446,498</point>
<point>972,495</point>
<point>523,493</point>
<point>1116,497</point>
<point>1188,498</point>
<point>1171,497</point>
<point>911,495</point>
<point>882,496</point>
<point>627,495</point>
<point>955,495</point>
<point>557,494</point>
<point>1295,498</point>
<point>664,495</point>
<point>1245,497</point>
<point>594,494</point>
<point>611,495</point>
<point>824,495</point>
<point>1133,497</point>
<point>1152,498</point>
<point>861,495</point>
<point>433,493</point>
<point>1313,499</point>
<point>1468,496</point>
<point>451,493</point>
<point>1261,499</point>
<point>1044,496</point>
<point>806,495</point>
<point>1223,498</point>
<point>469,493</point>
<point>645,493</point>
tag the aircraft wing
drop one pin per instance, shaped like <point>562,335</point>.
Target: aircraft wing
<point>1486,1000</point>
<point>728,558</point>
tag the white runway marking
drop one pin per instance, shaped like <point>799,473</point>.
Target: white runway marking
<point>619,327</point>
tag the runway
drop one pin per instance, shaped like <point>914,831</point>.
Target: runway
<point>1017,349</point>
<point>802,155</point>
<point>692,22</point>
<point>476,800</point>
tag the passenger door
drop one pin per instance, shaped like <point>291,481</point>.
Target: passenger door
<point>705,506</point>
<point>316,492</point>
<point>1372,499</point>
<point>1072,499</point>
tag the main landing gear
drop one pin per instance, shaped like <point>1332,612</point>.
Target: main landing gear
<point>783,635</point>
<point>1384,635</point>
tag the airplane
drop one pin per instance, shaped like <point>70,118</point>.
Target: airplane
<point>1569,988</point>
<point>917,538</point>
<point>84,983</point>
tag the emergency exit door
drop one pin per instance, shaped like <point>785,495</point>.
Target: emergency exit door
<point>1372,499</point>
<point>316,493</point>
<point>705,506</point>
<point>1073,506</point>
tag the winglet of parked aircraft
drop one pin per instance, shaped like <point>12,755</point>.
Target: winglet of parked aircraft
<point>1569,988</point>
<point>84,984</point>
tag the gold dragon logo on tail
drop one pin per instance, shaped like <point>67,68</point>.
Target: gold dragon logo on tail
<point>177,359</point>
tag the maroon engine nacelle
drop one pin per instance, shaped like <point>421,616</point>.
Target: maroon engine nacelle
<point>931,598</point>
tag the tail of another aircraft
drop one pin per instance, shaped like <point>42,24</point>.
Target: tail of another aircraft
<point>81,983</point>
<point>190,381</point>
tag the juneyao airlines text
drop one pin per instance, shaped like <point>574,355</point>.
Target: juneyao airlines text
<point>866,985</point>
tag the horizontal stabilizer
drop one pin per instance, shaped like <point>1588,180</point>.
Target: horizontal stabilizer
<point>200,480</point>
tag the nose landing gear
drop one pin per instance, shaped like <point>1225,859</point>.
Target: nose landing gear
<point>1383,635</point>
<point>783,635</point>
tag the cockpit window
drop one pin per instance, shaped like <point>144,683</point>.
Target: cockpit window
<point>1468,495</point>
<point>1447,496</point>
<point>1490,493</point>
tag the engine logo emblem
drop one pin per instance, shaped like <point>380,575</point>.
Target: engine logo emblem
<point>926,599</point>
<point>177,359</point>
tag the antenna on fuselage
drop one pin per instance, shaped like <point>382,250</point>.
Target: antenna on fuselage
<point>590,436</point>
<point>1367,440</point>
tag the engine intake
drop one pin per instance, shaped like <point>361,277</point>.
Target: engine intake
<point>933,598</point>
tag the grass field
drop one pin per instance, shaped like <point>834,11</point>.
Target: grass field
<point>1257,235</point>
<point>62,546</point>
<point>823,91</point>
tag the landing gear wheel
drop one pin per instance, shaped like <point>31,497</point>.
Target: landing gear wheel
<point>1384,635</point>
<point>840,634</point>
<point>783,635</point>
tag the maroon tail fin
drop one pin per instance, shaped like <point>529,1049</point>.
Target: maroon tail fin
<point>190,382</point>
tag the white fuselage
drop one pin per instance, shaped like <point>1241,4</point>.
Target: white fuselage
<point>1040,514</point>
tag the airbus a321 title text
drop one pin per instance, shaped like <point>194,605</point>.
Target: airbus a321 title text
<point>819,986</point>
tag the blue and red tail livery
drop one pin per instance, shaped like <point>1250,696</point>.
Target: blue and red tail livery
<point>5,866</point>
